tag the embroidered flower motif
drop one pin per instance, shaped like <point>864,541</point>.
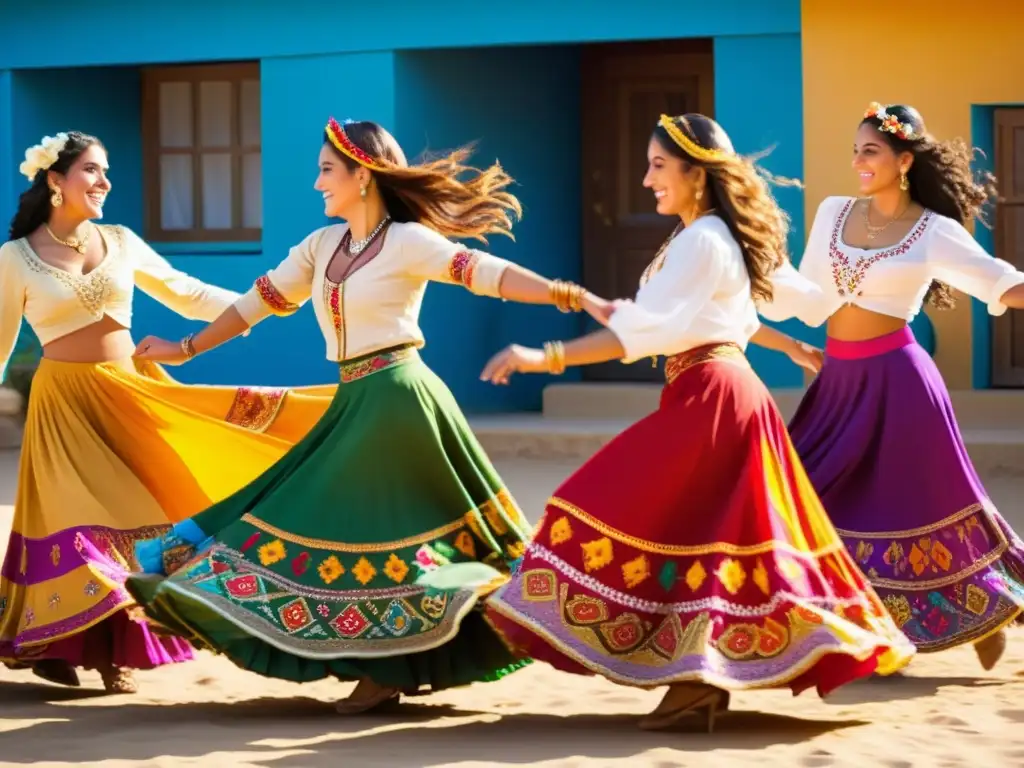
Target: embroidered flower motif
<point>91,588</point>
<point>324,610</point>
<point>695,575</point>
<point>330,569</point>
<point>364,571</point>
<point>893,554</point>
<point>272,552</point>
<point>516,549</point>
<point>249,542</point>
<point>732,574</point>
<point>636,571</point>
<point>425,560</point>
<point>396,569</point>
<point>300,564</point>
<point>55,555</point>
<point>864,551</point>
<point>597,554</point>
<point>560,532</point>
<point>30,616</point>
<point>941,556</point>
<point>54,601</point>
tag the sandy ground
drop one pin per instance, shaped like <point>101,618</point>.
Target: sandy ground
<point>944,712</point>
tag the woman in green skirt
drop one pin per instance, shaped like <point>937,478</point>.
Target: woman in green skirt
<point>310,571</point>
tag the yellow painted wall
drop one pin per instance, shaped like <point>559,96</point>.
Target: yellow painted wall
<point>940,57</point>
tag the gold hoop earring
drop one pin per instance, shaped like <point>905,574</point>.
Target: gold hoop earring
<point>362,192</point>
<point>57,198</point>
<point>904,181</point>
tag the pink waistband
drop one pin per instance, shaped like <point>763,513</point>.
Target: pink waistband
<point>854,350</point>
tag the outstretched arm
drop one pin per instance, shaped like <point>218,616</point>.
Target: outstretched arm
<point>436,258</point>
<point>280,292</point>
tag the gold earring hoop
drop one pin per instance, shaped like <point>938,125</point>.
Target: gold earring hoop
<point>57,198</point>
<point>904,181</point>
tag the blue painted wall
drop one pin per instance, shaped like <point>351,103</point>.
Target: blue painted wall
<point>208,30</point>
<point>983,136</point>
<point>753,112</point>
<point>530,122</point>
<point>429,98</point>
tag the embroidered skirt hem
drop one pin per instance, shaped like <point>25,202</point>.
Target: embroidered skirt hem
<point>309,572</point>
<point>112,454</point>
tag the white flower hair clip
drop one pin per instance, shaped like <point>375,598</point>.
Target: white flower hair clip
<point>42,155</point>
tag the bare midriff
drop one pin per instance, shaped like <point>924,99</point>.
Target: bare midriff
<point>852,323</point>
<point>101,342</point>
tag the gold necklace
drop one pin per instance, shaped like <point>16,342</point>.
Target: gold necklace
<point>873,231</point>
<point>71,242</point>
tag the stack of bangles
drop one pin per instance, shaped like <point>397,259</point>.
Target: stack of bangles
<point>568,297</point>
<point>188,346</point>
<point>554,353</point>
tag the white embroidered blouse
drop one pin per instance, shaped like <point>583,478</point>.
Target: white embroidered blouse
<point>378,305</point>
<point>56,302</point>
<point>695,292</point>
<point>894,280</point>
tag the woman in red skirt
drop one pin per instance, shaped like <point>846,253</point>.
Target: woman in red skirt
<point>691,551</point>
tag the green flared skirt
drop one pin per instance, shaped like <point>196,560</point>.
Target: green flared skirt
<point>310,571</point>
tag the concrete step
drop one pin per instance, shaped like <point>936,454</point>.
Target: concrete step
<point>984,409</point>
<point>996,453</point>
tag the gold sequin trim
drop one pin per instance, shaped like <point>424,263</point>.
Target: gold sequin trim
<point>93,289</point>
<point>341,546</point>
<point>921,531</point>
<point>718,547</point>
<point>676,365</point>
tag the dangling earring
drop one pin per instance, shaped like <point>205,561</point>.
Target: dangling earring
<point>700,194</point>
<point>362,192</point>
<point>57,198</point>
<point>904,181</point>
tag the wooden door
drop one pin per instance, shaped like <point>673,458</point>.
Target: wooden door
<point>624,88</point>
<point>1008,330</point>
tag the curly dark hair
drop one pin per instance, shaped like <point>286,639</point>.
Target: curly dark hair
<point>445,194</point>
<point>941,179</point>
<point>34,204</point>
<point>739,192</point>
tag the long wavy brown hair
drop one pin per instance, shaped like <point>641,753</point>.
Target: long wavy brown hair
<point>941,180</point>
<point>444,193</point>
<point>738,190</point>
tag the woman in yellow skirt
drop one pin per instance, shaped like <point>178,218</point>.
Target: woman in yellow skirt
<point>114,450</point>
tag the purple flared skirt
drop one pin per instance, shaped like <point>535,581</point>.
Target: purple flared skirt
<point>878,438</point>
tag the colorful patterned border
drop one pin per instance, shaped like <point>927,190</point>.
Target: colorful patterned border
<point>381,361</point>
<point>676,365</point>
<point>256,408</point>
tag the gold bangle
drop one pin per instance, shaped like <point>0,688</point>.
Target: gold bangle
<point>188,346</point>
<point>554,353</point>
<point>568,297</point>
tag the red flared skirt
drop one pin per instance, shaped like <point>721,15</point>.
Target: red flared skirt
<point>693,547</point>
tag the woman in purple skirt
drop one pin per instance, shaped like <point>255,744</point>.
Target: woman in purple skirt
<point>876,431</point>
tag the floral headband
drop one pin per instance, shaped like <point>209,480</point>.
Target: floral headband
<point>890,123</point>
<point>345,145</point>
<point>688,145</point>
<point>42,155</point>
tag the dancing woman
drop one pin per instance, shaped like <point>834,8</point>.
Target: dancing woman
<point>876,430</point>
<point>309,571</point>
<point>113,450</point>
<point>691,551</point>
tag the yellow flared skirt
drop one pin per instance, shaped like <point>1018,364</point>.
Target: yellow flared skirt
<point>112,453</point>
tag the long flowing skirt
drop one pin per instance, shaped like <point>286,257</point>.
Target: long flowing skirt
<point>693,548</point>
<point>310,571</point>
<point>878,437</point>
<point>113,453</point>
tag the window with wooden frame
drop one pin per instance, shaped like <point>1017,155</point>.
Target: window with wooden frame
<point>201,153</point>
